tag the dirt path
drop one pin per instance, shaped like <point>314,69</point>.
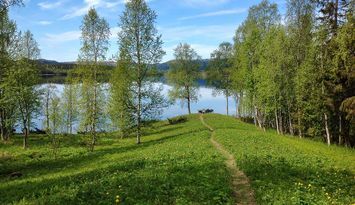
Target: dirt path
<point>241,187</point>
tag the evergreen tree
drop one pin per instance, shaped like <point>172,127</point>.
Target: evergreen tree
<point>336,77</point>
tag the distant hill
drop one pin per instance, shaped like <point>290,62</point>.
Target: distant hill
<point>165,66</point>
<point>52,67</point>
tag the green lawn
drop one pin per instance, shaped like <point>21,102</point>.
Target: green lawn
<point>177,164</point>
<point>174,165</point>
<point>285,169</point>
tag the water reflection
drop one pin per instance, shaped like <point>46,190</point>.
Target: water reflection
<point>206,100</point>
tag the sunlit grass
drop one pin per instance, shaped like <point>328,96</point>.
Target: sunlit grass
<point>285,169</point>
<point>174,165</point>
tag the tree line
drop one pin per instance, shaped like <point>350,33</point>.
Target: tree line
<point>297,74</point>
<point>133,97</point>
<point>294,74</point>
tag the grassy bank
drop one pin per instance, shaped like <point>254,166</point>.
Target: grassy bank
<point>176,164</point>
<point>287,170</point>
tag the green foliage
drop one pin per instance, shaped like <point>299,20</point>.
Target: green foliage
<point>55,114</point>
<point>219,70</point>
<point>183,75</point>
<point>48,94</point>
<point>21,81</point>
<point>285,170</point>
<point>177,120</point>
<point>175,164</point>
<point>295,77</point>
<point>7,102</point>
<point>140,47</point>
<point>28,47</point>
<point>95,33</point>
<point>7,3</point>
<point>70,108</point>
<point>92,101</point>
<point>122,115</point>
<point>249,51</point>
<point>336,37</point>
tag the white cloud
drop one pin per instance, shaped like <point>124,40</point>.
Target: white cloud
<point>63,37</point>
<point>73,36</point>
<point>44,23</point>
<point>75,12</point>
<point>200,3</point>
<point>204,50</point>
<point>215,32</point>
<point>50,5</point>
<point>83,10</point>
<point>204,39</point>
<point>216,13</point>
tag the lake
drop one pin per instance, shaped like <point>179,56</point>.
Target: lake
<point>206,101</point>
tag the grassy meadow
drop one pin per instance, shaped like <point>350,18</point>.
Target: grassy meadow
<point>176,164</point>
<point>285,169</point>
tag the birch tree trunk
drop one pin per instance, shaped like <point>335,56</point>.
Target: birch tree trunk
<point>277,122</point>
<point>327,128</point>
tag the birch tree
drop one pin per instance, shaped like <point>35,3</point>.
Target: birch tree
<point>219,71</point>
<point>24,78</point>
<point>95,33</point>
<point>121,111</point>
<point>48,94</point>
<point>70,105</point>
<point>141,46</point>
<point>183,75</point>
<point>8,35</point>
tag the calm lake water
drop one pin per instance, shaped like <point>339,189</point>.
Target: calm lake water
<point>206,101</point>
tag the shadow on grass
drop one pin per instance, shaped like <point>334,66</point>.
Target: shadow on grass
<point>53,165</point>
<point>141,182</point>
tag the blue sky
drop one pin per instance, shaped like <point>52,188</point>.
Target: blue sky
<point>204,24</point>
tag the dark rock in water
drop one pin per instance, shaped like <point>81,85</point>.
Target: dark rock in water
<point>15,175</point>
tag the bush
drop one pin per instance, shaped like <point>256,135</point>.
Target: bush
<point>177,120</point>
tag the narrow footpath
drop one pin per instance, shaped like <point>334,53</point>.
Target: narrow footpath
<point>241,187</point>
